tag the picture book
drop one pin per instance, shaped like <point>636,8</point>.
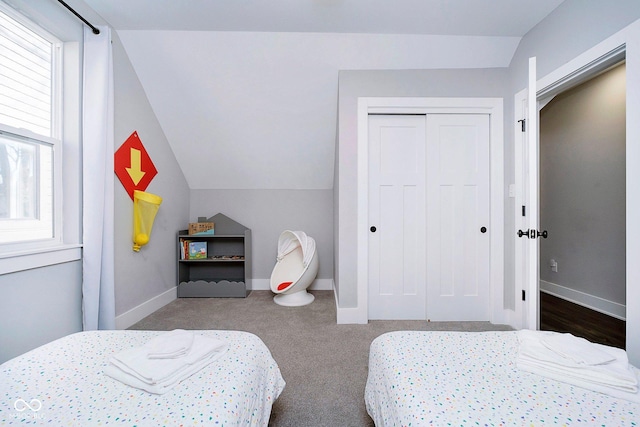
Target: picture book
<point>197,250</point>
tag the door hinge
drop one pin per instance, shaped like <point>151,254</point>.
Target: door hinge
<point>524,211</point>
<point>523,124</point>
<point>524,295</point>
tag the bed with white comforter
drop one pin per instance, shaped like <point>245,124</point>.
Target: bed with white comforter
<point>419,378</point>
<point>63,383</point>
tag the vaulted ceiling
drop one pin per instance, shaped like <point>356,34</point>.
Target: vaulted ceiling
<point>246,91</point>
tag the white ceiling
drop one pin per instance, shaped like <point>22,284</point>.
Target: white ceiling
<point>246,90</point>
<point>435,17</point>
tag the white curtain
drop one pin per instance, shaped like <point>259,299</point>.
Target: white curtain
<point>98,271</point>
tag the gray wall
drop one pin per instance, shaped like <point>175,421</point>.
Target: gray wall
<point>38,306</point>
<point>582,187</point>
<point>574,27</point>
<point>268,213</point>
<point>415,83</point>
<point>140,276</point>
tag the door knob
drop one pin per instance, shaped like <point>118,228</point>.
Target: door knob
<point>532,234</point>
<point>373,229</point>
<point>483,229</point>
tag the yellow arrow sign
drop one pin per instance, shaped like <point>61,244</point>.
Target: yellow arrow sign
<point>135,171</point>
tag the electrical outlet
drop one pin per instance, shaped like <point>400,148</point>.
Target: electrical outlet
<point>554,265</point>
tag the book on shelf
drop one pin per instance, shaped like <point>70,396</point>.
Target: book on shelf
<point>192,250</point>
<point>197,250</point>
<point>183,248</point>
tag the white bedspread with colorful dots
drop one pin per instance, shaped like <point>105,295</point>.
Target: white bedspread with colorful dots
<point>419,378</point>
<point>63,384</point>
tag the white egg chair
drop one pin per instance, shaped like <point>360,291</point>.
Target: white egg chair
<point>296,268</point>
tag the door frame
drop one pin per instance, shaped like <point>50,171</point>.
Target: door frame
<point>419,105</point>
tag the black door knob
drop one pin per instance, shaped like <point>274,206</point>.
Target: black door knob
<point>483,229</point>
<point>373,229</point>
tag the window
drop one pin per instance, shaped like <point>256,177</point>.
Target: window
<point>29,133</point>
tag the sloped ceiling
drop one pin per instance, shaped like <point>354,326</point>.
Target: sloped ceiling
<point>246,91</point>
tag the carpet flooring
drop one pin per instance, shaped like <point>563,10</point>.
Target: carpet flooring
<point>324,364</point>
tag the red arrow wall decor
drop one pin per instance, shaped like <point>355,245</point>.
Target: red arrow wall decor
<point>133,166</point>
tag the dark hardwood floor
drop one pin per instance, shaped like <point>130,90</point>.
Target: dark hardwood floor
<point>560,315</point>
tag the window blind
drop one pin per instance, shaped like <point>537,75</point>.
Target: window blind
<point>25,78</point>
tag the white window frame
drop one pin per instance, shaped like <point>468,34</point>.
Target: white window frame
<point>62,246</point>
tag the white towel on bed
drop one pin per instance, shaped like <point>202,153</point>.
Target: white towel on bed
<point>160,387</point>
<point>176,343</point>
<point>616,378</point>
<point>157,375</point>
<point>578,349</point>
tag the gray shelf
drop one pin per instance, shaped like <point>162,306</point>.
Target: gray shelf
<point>208,289</point>
<point>217,277</point>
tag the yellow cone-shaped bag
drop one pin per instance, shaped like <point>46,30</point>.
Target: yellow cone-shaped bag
<point>145,207</point>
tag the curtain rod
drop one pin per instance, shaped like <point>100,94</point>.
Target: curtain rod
<point>94,29</point>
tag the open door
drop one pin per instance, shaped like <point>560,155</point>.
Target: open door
<point>532,279</point>
<point>526,221</point>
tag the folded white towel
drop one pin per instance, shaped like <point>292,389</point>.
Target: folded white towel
<point>559,375</point>
<point>135,368</point>
<point>615,373</point>
<point>164,386</point>
<point>577,349</point>
<point>176,343</point>
<point>616,378</point>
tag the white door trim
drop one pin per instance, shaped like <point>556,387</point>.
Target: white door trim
<point>410,105</point>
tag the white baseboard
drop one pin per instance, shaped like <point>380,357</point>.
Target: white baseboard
<point>348,315</point>
<point>138,313</point>
<point>614,309</point>
<point>317,285</point>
